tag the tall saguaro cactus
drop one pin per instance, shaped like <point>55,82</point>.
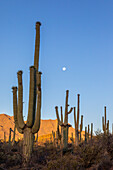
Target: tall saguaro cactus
<point>34,112</point>
<point>64,126</point>
<point>105,124</point>
<point>76,121</point>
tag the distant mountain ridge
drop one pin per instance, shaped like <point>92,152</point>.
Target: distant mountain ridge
<point>46,127</point>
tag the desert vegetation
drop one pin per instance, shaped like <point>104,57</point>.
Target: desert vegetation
<point>95,154</point>
<point>58,150</point>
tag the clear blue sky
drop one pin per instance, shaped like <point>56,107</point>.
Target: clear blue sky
<point>75,34</point>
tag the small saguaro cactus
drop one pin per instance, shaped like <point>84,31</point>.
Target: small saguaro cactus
<point>81,127</point>
<point>91,131</point>
<point>64,126</point>
<point>5,137</point>
<point>53,134</point>
<point>85,134</point>
<point>88,133</point>
<point>34,112</point>
<point>76,121</point>
<point>71,138</point>
<point>10,130</point>
<point>58,134</point>
<point>105,124</point>
<point>13,140</point>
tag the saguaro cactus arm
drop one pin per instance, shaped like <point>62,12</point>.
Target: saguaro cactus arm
<point>108,126</point>
<point>20,101</point>
<point>75,118</point>
<point>37,45</point>
<point>105,116</point>
<point>91,130</point>
<point>32,97</point>
<point>78,109</point>
<point>57,115</point>
<point>103,126</point>
<point>70,110</point>
<point>36,125</point>
<point>81,125</point>
<point>61,114</point>
<point>66,107</point>
<point>15,109</point>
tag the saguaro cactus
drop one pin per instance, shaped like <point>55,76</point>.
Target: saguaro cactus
<point>81,127</point>
<point>71,138</point>
<point>58,134</point>
<point>76,121</point>
<point>105,124</point>
<point>85,134</point>
<point>64,126</point>
<point>13,140</point>
<point>53,134</point>
<point>91,131</point>
<point>33,120</point>
<point>10,130</point>
<point>88,133</point>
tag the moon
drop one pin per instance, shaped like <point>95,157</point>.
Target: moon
<point>64,68</point>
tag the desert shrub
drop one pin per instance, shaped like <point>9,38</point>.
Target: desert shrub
<point>95,154</point>
<point>67,162</point>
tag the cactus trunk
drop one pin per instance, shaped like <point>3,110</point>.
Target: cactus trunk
<point>64,139</point>
<point>28,143</point>
<point>76,137</point>
<point>86,134</point>
<point>10,135</point>
<point>13,141</point>
<point>91,131</point>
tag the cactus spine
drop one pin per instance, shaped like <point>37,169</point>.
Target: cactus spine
<point>64,126</point>
<point>33,120</point>
<point>105,124</point>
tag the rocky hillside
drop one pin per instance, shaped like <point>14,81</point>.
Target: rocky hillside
<point>7,122</point>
